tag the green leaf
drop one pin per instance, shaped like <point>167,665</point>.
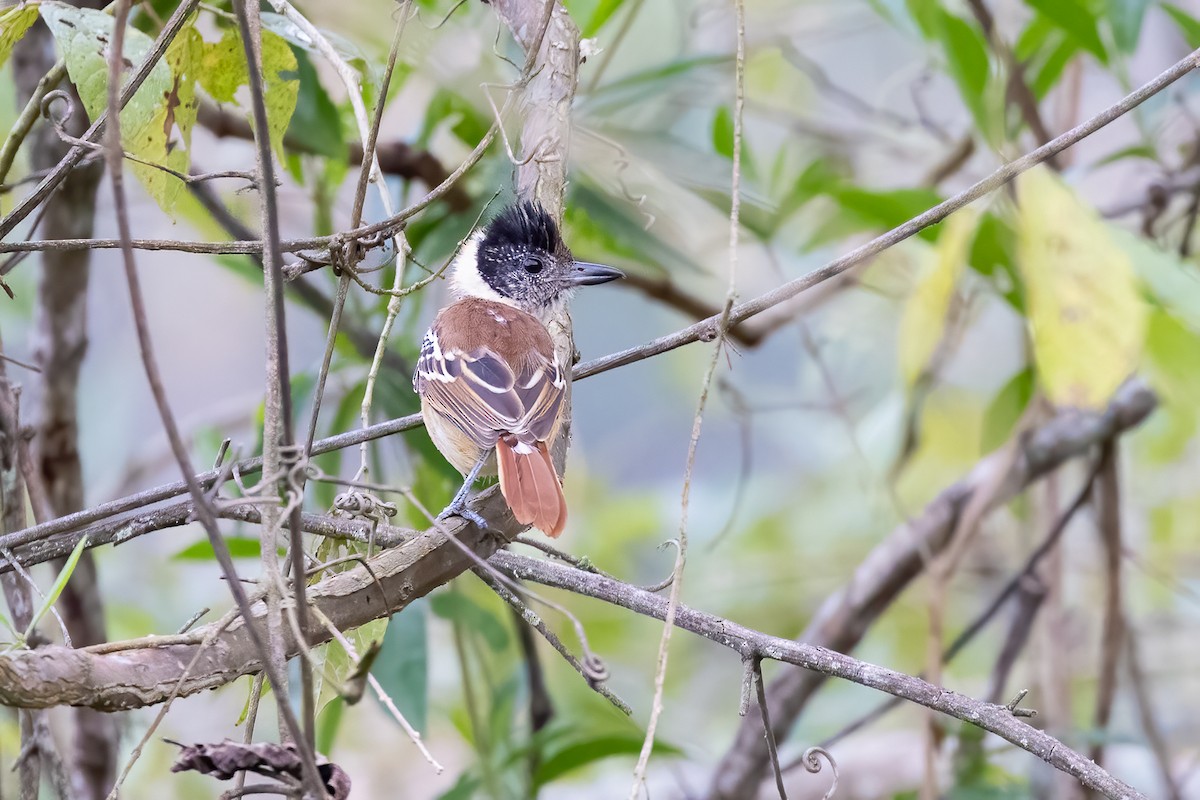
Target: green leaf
<point>281,86</point>
<point>1171,281</point>
<point>722,132</point>
<point>1076,20</point>
<point>316,126</point>
<point>239,547</point>
<point>1006,409</point>
<point>601,15</point>
<point>223,67</point>
<point>468,123</point>
<point>402,667</point>
<point>156,123</point>
<point>60,583</point>
<point>1125,17</point>
<point>224,71</point>
<point>1171,348</point>
<point>329,722</point>
<point>923,322</point>
<point>1046,76</point>
<point>178,117</point>
<point>13,24</point>
<point>887,208</point>
<point>1146,151</point>
<point>967,60</point>
<point>1086,312</point>
<point>463,789</point>
<point>1188,25</point>
<point>339,666</point>
<point>1035,38</point>
<point>992,257</point>
<point>579,752</point>
<point>925,14</point>
<point>455,606</point>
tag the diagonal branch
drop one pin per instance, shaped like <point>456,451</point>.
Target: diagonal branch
<point>820,661</point>
<point>844,618</point>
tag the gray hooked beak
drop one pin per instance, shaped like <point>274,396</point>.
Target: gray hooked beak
<point>584,273</point>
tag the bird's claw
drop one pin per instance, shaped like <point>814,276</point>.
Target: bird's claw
<point>458,508</point>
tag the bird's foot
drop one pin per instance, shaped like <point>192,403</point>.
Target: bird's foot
<point>458,508</point>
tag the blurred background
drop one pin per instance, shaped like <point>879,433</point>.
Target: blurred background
<point>833,419</point>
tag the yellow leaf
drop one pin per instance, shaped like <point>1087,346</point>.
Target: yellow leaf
<point>923,322</point>
<point>1084,306</point>
<point>13,24</point>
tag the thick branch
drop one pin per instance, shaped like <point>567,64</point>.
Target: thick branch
<point>141,676</point>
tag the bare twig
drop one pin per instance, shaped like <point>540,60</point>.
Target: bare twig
<point>203,508</point>
<point>706,329</point>
<point>1011,587</point>
<point>1150,726</point>
<point>660,675</point>
<point>530,618</point>
<point>396,157</point>
<point>278,430</point>
<point>1107,491</point>
<point>768,732</point>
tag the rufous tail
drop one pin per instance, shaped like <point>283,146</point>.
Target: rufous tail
<point>530,485</point>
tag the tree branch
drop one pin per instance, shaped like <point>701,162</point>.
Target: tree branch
<point>844,618</point>
<point>750,643</point>
<point>395,157</point>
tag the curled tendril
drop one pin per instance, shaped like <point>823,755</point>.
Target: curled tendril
<point>811,759</point>
<point>62,116</point>
<point>663,584</point>
<point>364,505</point>
<point>295,471</point>
<point>594,668</point>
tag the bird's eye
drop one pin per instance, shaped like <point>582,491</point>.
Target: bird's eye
<point>532,265</point>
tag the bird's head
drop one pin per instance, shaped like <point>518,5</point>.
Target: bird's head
<point>520,259</point>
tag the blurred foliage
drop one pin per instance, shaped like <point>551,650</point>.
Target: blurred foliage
<point>860,115</point>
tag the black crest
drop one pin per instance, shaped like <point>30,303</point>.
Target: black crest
<point>522,225</point>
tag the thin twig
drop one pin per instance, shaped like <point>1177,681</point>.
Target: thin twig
<point>639,772</point>
<point>529,617</point>
<point>761,692</point>
<point>153,376</point>
<point>1011,587</point>
<point>1107,489</point>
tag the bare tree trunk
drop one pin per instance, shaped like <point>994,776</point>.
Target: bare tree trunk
<point>61,344</point>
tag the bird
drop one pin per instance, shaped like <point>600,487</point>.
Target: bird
<point>491,383</point>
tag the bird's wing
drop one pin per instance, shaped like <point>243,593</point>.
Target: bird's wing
<point>486,395</point>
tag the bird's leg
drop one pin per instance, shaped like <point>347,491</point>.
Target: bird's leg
<point>458,506</point>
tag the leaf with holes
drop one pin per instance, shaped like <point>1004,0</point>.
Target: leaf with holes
<point>13,24</point>
<point>175,118</point>
<point>156,123</point>
<point>1085,309</point>
<point>223,72</point>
